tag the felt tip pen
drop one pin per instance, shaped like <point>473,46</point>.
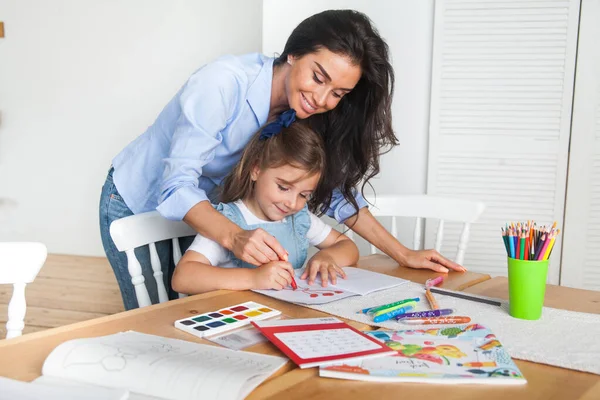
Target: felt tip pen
<point>392,314</point>
<point>383,307</point>
<point>426,314</point>
<point>434,281</point>
<point>392,306</point>
<point>390,309</point>
<point>435,320</point>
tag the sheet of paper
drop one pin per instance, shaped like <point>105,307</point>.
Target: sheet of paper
<point>358,282</point>
<point>161,367</point>
<point>325,343</point>
<point>11,389</point>
<point>307,294</point>
<point>238,339</point>
<point>362,281</point>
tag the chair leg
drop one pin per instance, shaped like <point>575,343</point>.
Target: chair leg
<point>158,274</point>
<point>135,270</point>
<point>462,244</point>
<point>16,311</point>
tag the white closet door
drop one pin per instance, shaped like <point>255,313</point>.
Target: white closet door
<point>581,254</point>
<point>502,84</point>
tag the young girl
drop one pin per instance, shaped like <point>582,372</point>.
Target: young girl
<point>269,189</point>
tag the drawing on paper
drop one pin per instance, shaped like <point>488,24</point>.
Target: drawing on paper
<point>315,292</point>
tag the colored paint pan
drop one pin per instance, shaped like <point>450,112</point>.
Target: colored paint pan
<point>225,319</point>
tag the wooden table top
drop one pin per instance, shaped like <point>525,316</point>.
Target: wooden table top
<point>27,353</point>
<point>563,297</point>
<point>452,280</point>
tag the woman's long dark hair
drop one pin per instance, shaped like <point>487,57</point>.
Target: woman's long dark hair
<point>359,129</point>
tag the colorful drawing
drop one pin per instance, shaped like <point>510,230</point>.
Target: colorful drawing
<point>468,353</point>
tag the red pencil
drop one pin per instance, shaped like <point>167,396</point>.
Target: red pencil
<point>293,284</point>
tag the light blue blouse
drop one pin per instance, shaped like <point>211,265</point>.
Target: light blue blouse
<point>198,137</point>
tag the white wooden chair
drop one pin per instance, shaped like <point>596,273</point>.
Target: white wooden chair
<point>20,263</point>
<point>427,206</point>
<point>144,229</point>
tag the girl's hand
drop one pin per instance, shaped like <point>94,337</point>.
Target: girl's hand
<point>323,264</point>
<point>257,247</point>
<point>273,275</point>
<point>431,259</point>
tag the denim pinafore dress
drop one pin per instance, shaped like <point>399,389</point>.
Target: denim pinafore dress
<point>291,233</point>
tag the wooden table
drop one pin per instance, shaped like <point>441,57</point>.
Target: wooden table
<point>22,358</point>
<point>566,298</point>
<point>544,382</point>
<point>453,280</point>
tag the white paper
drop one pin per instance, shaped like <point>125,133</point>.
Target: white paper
<point>358,282</point>
<point>161,367</point>
<point>238,339</point>
<point>362,281</point>
<point>326,343</point>
<point>11,389</point>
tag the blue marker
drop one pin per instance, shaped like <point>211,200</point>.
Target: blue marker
<point>392,314</point>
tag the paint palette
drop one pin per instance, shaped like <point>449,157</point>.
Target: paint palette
<point>233,317</point>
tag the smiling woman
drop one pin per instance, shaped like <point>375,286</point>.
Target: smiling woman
<point>318,81</point>
<point>334,72</point>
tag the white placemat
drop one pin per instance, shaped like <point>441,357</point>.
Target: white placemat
<point>561,338</point>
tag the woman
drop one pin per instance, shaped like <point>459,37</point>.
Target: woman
<point>334,71</point>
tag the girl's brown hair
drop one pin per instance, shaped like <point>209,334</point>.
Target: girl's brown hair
<point>298,145</point>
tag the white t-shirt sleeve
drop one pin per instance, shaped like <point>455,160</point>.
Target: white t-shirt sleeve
<point>318,230</point>
<point>216,254</point>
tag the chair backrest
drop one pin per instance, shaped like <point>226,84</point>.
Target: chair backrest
<point>20,263</point>
<point>427,206</point>
<point>144,229</point>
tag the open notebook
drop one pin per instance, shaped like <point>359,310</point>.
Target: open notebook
<point>135,366</point>
<point>447,354</point>
<point>358,282</point>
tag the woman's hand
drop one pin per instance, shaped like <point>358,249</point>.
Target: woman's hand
<point>431,259</point>
<point>325,265</point>
<point>273,275</point>
<point>257,247</point>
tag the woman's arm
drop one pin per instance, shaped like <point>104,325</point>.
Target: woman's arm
<point>207,103</point>
<point>194,274</point>
<point>255,247</point>
<point>367,226</point>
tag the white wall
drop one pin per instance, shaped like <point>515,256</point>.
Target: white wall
<point>407,27</point>
<point>78,81</point>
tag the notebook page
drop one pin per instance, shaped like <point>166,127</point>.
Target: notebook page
<point>162,367</point>
<point>357,282</point>
<point>362,281</point>
<point>11,389</point>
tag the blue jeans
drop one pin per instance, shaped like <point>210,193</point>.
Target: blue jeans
<point>112,207</point>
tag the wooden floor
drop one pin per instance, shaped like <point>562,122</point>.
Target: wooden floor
<point>68,289</point>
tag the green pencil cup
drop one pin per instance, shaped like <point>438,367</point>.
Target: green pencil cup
<point>526,288</point>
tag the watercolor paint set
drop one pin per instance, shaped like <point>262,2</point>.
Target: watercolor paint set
<point>225,319</point>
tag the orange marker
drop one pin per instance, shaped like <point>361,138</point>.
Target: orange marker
<point>432,302</point>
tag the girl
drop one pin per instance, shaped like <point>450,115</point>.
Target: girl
<point>269,190</point>
<point>335,72</point>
